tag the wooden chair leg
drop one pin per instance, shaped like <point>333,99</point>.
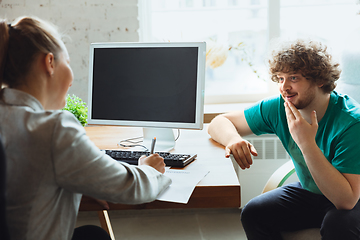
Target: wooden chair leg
<point>105,223</point>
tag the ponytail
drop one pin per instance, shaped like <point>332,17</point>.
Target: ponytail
<point>4,44</point>
<point>21,43</point>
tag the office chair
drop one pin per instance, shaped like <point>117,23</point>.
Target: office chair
<point>277,179</point>
<point>4,232</point>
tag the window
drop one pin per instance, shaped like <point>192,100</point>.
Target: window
<point>324,20</point>
<point>238,36</point>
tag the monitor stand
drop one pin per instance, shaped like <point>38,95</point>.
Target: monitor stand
<point>165,140</point>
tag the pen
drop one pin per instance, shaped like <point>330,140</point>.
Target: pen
<point>153,145</point>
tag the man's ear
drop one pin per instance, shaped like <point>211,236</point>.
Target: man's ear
<point>50,63</point>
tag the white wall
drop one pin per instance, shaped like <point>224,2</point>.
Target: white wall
<point>84,21</point>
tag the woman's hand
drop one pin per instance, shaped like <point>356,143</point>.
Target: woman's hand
<point>154,160</point>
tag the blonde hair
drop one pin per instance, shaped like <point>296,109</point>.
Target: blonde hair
<point>21,42</point>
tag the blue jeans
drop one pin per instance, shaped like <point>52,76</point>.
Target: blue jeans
<point>291,208</point>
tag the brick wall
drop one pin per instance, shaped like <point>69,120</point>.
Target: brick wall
<point>84,22</point>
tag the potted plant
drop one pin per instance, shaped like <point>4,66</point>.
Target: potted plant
<point>77,107</point>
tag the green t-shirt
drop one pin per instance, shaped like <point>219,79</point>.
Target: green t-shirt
<point>338,135</point>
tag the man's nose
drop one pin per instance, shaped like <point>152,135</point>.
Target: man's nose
<point>285,85</point>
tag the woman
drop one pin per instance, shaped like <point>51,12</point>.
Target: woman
<point>50,160</point>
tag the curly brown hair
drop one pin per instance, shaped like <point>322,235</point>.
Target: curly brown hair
<point>310,58</point>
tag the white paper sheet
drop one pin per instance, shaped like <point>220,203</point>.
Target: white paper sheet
<point>182,186</point>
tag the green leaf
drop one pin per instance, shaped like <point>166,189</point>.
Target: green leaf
<point>77,107</point>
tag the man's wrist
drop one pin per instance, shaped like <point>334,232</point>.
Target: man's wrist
<point>234,139</point>
<point>308,147</point>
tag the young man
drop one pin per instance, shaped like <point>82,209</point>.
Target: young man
<point>320,130</point>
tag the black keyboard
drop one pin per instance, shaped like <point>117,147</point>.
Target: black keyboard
<point>170,159</point>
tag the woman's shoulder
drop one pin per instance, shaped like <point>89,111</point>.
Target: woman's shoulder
<point>54,122</point>
<point>64,119</point>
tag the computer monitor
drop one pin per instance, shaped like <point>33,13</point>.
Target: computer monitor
<point>157,86</point>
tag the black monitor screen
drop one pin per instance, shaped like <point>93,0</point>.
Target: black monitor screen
<point>145,84</point>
